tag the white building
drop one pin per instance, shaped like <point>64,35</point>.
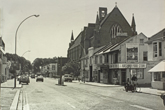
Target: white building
<point>156,57</point>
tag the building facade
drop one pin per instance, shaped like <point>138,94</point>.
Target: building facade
<point>96,35</point>
<point>156,57</point>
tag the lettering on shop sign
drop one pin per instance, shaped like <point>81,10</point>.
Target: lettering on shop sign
<point>127,66</point>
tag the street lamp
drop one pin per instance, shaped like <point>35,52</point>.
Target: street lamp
<point>16,41</point>
<point>25,52</point>
<point>23,60</point>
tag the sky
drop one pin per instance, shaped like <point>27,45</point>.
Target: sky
<point>48,35</point>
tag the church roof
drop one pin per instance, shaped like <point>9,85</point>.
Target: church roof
<point>77,41</point>
<point>115,10</point>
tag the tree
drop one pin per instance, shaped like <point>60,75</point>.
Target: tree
<point>72,67</point>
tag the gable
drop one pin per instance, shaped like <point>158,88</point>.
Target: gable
<point>116,17</point>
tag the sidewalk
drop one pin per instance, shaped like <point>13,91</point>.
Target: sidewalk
<point>9,95</point>
<point>145,90</point>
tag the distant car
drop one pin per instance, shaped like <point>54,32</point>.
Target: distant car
<point>33,76</point>
<point>68,77</point>
<point>24,79</point>
<point>40,78</point>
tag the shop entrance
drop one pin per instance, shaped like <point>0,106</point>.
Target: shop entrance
<point>123,76</point>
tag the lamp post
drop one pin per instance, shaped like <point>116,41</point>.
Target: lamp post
<point>16,41</point>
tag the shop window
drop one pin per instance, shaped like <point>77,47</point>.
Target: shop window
<point>139,73</point>
<point>145,56</point>
<point>157,76</point>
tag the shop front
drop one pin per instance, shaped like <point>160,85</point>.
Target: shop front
<point>158,76</point>
<point>121,72</point>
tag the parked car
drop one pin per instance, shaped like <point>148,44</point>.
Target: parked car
<point>40,78</point>
<point>24,79</point>
<point>68,77</point>
<point>18,78</point>
<point>33,76</point>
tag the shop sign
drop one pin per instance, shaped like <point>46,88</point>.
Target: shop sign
<point>127,66</point>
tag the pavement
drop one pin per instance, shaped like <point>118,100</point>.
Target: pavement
<point>9,95</point>
<point>145,90</point>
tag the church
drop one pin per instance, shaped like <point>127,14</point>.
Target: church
<point>108,29</point>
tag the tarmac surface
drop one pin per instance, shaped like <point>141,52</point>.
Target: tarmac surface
<point>10,95</point>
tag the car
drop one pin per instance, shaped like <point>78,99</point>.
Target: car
<point>68,77</point>
<point>18,78</point>
<point>33,76</point>
<point>24,79</point>
<point>40,78</point>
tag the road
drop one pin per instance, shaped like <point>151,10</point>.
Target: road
<point>48,95</point>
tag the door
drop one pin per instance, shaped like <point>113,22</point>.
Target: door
<point>123,76</point>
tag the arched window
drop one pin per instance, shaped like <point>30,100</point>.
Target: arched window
<point>114,30</point>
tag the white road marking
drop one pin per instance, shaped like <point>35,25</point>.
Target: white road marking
<point>26,106</point>
<point>144,108</point>
<point>71,105</point>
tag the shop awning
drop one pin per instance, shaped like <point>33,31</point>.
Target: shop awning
<point>160,67</point>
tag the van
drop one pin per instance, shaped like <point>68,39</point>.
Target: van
<point>68,77</point>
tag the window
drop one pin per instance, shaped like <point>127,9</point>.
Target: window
<point>100,59</point>
<point>141,41</point>
<point>53,67</point>
<point>96,58</point>
<point>106,58</point>
<point>157,76</point>
<point>163,74</point>
<point>114,30</point>
<point>160,48</point>
<point>90,60</point>
<point>155,49</point>
<point>145,56</point>
<point>139,73</point>
<point>116,58</point>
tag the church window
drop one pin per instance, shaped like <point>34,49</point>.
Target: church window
<point>115,30</point>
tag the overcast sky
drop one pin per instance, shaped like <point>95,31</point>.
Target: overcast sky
<point>49,35</point>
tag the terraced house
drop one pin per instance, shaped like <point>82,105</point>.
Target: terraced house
<point>109,29</point>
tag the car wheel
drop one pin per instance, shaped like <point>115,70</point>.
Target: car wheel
<point>27,83</point>
<point>19,82</point>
